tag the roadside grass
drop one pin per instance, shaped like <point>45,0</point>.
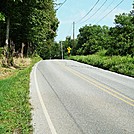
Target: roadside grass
<point>15,109</point>
<point>123,65</point>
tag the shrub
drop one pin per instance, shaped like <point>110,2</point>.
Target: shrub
<point>119,64</point>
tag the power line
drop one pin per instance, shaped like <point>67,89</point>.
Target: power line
<point>110,12</point>
<point>61,5</point>
<point>106,8</point>
<point>88,11</point>
<point>96,11</point>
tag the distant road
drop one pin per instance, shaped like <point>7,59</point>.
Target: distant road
<point>69,97</point>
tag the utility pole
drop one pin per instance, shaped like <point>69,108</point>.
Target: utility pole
<point>73,37</point>
<point>62,50</point>
<point>73,31</point>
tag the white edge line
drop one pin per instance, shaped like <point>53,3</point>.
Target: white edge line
<point>51,126</point>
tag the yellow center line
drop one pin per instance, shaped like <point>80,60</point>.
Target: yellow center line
<point>106,87</point>
<point>101,86</point>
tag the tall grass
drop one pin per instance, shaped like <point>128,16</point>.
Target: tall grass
<point>15,109</point>
<point>119,64</point>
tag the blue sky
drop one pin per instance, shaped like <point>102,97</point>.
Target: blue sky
<point>73,11</point>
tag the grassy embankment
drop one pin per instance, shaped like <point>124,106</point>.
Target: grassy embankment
<point>123,65</point>
<point>15,116</point>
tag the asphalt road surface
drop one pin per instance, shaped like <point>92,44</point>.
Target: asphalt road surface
<point>69,97</point>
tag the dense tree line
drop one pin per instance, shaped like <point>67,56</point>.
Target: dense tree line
<point>29,22</point>
<point>118,40</point>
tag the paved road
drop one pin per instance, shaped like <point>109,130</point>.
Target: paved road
<point>73,98</point>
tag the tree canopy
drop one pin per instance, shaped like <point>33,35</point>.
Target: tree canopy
<point>117,40</point>
<point>32,22</point>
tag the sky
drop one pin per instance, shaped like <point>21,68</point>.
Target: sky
<point>74,11</point>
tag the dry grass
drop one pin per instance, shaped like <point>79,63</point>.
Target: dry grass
<point>21,63</point>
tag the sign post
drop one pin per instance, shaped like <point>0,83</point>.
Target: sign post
<point>69,51</point>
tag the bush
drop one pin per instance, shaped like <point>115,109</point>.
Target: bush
<point>119,64</point>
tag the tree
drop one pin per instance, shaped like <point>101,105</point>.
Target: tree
<point>118,40</point>
<point>43,25</point>
<point>122,35</point>
<point>30,22</point>
<point>92,39</point>
<point>7,9</point>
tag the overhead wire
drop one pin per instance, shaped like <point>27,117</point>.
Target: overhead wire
<point>88,12</point>
<point>110,11</point>
<point>96,11</point>
<point>61,4</point>
<point>106,8</point>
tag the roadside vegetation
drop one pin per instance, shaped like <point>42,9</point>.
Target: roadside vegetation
<point>111,48</point>
<point>15,115</point>
<point>6,72</point>
<point>27,28</point>
<point>120,64</point>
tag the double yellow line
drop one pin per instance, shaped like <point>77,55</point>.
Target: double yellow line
<point>101,86</point>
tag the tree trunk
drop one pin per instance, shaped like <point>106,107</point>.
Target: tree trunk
<point>6,53</point>
<point>9,46</point>
<point>7,32</point>
<point>22,50</point>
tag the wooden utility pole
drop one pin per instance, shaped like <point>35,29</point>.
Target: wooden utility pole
<point>73,32</point>
<point>73,47</point>
<point>62,50</point>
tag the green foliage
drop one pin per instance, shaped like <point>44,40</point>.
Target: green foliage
<point>122,36</point>
<point>119,64</point>
<point>118,40</point>
<point>2,17</point>
<point>68,43</point>
<point>55,51</point>
<point>15,110</point>
<point>92,39</point>
<point>43,27</point>
<point>31,22</point>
